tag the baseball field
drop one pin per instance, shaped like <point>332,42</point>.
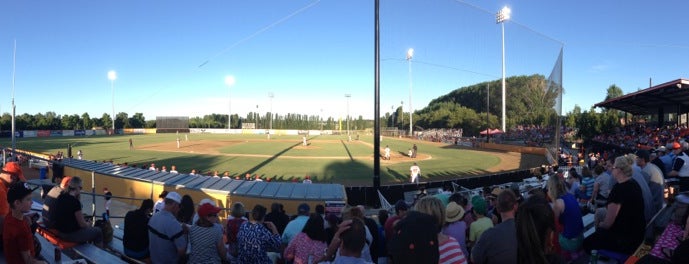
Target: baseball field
<point>326,158</point>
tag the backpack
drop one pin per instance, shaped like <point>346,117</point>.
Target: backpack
<point>106,228</point>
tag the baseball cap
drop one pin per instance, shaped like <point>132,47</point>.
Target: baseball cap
<point>206,201</point>
<point>65,181</point>
<point>18,191</point>
<point>207,209</point>
<point>174,196</point>
<point>676,145</point>
<point>303,208</point>
<point>401,205</point>
<point>662,149</point>
<point>479,204</point>
<point>15,169</point>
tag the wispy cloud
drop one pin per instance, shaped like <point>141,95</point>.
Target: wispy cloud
<point>601,67</point>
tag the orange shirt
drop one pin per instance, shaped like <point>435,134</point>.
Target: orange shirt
<point>4,205</point>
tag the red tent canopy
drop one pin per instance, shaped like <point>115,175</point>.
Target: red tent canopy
<point>491,131</point>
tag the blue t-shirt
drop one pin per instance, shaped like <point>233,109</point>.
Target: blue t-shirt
<point>571,217</point>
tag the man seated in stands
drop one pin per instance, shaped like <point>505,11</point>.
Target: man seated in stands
<point>295,226</point>
<point>167,242</point>
<point>69,220</point>
<point>497,244</point>
<point>51,198</point>
<point>135,240</point>
<point>350,239</point>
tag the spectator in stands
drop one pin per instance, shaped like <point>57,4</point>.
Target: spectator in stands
<point>535,224</point>
<point>18,246</point>
<point>401,208</point>
<point>496,244</point>
<point>656,159</point>
<point>256,238</point>
<point>573,181</point>
<point>309,244</point>
<point>11,173</point>
<point>163,168</point>
<point>586,189</point>
<point>603,184</point>
<point>640,177</point>
<point>415,240</point>
<point>173,169</point>
<point>454,225</point>
<point>135,239</point>
<point>152,167</point>
<point>107,195</point>
<point>358,213</point>
<point>624,224</point>
<point>667,158</point>
<point>333,221</point>
<point>69,220</point>
<point>382,242</point>
<point>481,223</point>
<point>295,226</point>
<point>50,199</point>
<point>566,210</point>
<point>205,237</point>
<point>680,167</point>
<point>372,227</point>
<point>186,210</point>
<point>160,204</point>
<point>168,242</point>
<point>278,217</point>
<point>655,180</point>
<point>448,247</point>
<point>235,220</point>
<point>349,242</point>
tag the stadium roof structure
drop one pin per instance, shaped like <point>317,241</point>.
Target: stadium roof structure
<point>668,97</point>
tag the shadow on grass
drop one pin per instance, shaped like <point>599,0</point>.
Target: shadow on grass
<point>347,149</point>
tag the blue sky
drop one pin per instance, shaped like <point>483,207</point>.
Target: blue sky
<point>171,57</point>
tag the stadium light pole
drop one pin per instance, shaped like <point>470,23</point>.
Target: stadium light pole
<point>410,55</point>
<point>270,121</point>
<point>112,76</point>
<point>500,18</point>
<point>348,96</point>
<point>229,81</point>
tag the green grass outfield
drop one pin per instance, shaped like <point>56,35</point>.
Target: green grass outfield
<point>326,159</point>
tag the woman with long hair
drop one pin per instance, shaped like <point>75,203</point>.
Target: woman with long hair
<point>567,213</point>
<point>308,245</point>
<point>448,247</point>
<point>535,223</point>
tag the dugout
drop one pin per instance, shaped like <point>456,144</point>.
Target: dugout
<point>147,184</point>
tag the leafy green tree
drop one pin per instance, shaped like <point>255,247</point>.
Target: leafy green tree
<point>86,121</point>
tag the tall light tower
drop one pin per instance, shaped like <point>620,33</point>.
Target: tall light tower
<point>270,121</point>
<point>112,76</point>
<point>500,18</point>
<point>14,107</point>
<point>348,96</point>
<point>410,55</point>
<point>229,81</point>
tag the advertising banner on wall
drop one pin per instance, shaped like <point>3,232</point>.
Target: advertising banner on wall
<point>30,133</point>
<point>79,133</point>
<point>55,133</point>
<point>43,133</point>
<point>67,133</point>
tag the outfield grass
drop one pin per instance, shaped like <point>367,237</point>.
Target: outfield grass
<point>326,159</point>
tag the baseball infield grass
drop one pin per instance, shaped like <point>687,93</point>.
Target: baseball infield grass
<point>283,158</point>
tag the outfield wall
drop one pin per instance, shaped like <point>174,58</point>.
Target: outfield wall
<point>513,148</point>
<point>277,132</point>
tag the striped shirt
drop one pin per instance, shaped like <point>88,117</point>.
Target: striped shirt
<point>451,252</point>
<point>204,242</point>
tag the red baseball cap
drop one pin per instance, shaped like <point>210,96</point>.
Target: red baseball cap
<point>676,145</point>
<point>14,169</point>
<point>206,209</point>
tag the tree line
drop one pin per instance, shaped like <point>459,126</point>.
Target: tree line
<point>473,108</point>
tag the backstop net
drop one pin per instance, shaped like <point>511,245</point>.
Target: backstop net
<point>172,124</point>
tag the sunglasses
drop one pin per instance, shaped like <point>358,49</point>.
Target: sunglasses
<point>212,215</point>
